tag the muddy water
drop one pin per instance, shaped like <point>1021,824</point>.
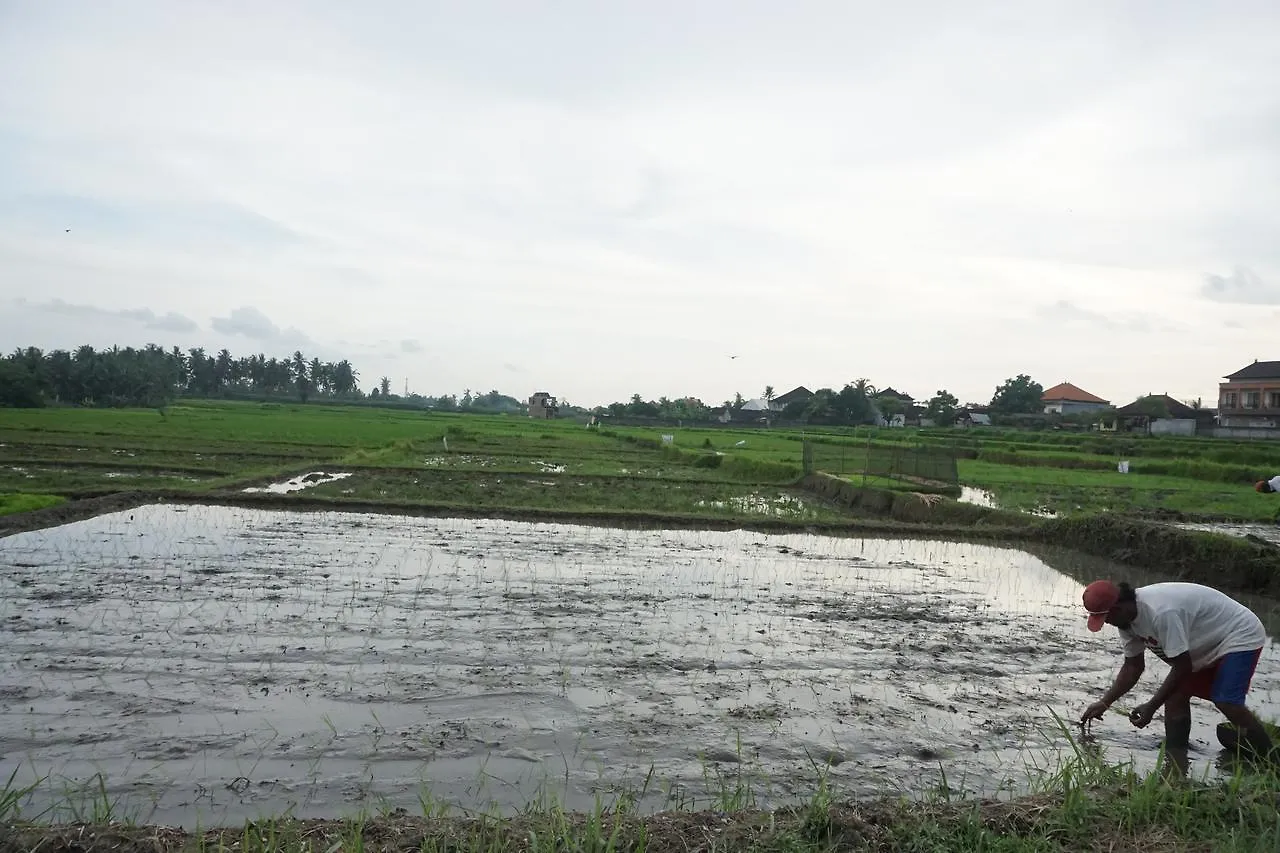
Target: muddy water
<point>215,664</point>
<point>1266,532</point>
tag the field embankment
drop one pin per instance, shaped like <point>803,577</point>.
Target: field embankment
<point>1234,563</point>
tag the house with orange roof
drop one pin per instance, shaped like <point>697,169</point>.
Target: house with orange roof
<point>1066,399</point>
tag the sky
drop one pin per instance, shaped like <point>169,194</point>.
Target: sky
<point>652,196</point>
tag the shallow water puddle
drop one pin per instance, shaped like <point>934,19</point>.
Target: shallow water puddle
<point>298,483</point>
<point>1266,532</point>
<point>216,664</point>
<point>976,496</point>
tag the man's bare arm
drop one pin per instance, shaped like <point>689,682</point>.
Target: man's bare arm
<point>1125,681</point>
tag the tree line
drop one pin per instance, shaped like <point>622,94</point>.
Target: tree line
<point>153,376</point>
<point>858,402</point>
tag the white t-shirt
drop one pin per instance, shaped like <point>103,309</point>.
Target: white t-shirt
<point>1274,482</point>
<point>1178,617</point>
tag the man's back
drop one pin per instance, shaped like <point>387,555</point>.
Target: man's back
<point>1178,617</point>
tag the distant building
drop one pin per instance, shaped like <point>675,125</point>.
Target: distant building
<point>799,394</point>
<point>1067,399</point>
<point>1159,414</point>
<point>970,418</point>
<point>1250,397</point>
<point>543,406</point>
<point>897,395</point>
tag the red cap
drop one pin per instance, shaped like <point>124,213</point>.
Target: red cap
<point>1099,597</point>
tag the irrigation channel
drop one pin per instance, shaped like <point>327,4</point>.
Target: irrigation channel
<point>202,665</point>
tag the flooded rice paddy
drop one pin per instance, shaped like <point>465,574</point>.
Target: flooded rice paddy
<point>213,664</point>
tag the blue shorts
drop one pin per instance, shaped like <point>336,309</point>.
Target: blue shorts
<point>1226,680</point>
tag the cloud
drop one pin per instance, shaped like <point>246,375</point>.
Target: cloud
<point>247,321</point>
<point>606,174</point>
<point>1243,286</point>
<point>1064,311</point>
<point>170,321</point>
<point>410,345</point>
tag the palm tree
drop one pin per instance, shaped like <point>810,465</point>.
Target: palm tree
<point>319,376</point>
<point>301,382</point>
<point>344,379</point>
<point>865,388</point>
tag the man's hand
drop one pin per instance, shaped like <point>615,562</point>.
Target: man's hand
<point>1141,715</point>
<point>1096,711</point>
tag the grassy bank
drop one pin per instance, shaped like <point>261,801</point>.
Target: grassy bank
<point>1077,491</point>
<point>1083,805</point>
<point>15,503</point>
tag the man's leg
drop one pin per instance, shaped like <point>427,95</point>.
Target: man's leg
<point>1235,673</point>
<point>1177,720</point>
<point>1253,735</point>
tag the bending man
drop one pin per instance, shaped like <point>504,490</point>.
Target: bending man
<point>1210,641</point>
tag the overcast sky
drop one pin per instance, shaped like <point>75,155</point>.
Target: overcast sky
<point>606,198</point>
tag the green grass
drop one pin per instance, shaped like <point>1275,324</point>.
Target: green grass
<point>1071,491</point>
<point>1082,804</point>
<point>11,503</point>
<point>202,447</point>
<point>458,461</point>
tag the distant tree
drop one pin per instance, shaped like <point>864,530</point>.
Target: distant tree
<point>301,381</point>
<point>222,371</point>
<point>890,406</point>
<point>344,379</point>
<point>19,387</point>
<point>1153,406</point>
<point>640,408</point>
<point>319,374</point>
<point>941,408</point>
<point>384,386</point>
<point>865,388</point>
<point>796,410</point>
<point>853,405</point>
<point>1019,395</point>
<point>821,407</point>
<point>768,394</point>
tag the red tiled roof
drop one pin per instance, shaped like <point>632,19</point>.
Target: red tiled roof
<point>1066,392</point>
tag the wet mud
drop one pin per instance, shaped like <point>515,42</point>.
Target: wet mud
<point>221,663</point>
<point>1267,533</point>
